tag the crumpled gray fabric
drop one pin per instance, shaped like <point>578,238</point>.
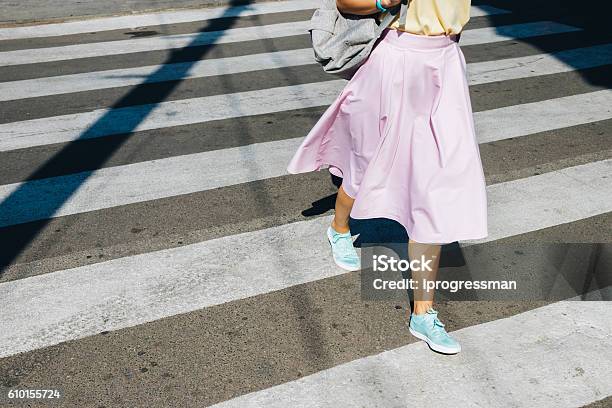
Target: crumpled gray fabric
<point>342,42</point>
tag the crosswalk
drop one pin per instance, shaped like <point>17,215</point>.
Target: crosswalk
<point>152,239</point>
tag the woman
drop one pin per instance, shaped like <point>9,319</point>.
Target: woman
<point>401,136</point>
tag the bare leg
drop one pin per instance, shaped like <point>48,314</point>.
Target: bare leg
<point>423,300</point>
<point>344,204</point>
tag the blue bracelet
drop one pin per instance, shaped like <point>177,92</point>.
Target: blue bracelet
<point>379,6</point>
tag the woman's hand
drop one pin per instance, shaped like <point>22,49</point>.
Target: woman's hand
<point>389,3</point>
<point>363,7</point>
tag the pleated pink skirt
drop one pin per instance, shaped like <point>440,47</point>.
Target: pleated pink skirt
<point>401,135</point>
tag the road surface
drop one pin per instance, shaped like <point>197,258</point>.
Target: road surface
<point>156,253</point>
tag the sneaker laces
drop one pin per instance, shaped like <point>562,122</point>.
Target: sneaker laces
<point>344,242</point>
<point>438,326</point>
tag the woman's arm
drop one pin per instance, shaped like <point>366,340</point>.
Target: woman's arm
<point>363,7</point>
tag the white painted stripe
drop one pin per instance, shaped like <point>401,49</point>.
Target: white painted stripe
<point>156,19</point>
<point>166,42</point>
<point>114,186</point>
<point>479,73</point>
<point>544,201</point>
<point>51,308</point>
<point>145,181</point>
<point>547,357</point>
<point>529,118</point>
<point>104,122</point>
<point>156,73</point>
<point>540,64</point>
<point>514,31</point>
<point>177,17</point>
<point>69,52</point>
<point>583,108</point>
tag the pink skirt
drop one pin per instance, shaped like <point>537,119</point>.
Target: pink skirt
<point>401,135</point>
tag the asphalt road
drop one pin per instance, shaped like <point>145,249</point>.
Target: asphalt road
<point>156,253</point>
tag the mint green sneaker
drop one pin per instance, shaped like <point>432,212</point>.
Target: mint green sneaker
<point>345,255</point>
<point>430,329</point>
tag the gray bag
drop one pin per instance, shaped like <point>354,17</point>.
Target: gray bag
<point>342,42</point>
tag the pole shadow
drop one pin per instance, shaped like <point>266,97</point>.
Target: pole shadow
<point>111,120</point>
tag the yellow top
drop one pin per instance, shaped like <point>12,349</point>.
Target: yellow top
<point>434,17</point>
